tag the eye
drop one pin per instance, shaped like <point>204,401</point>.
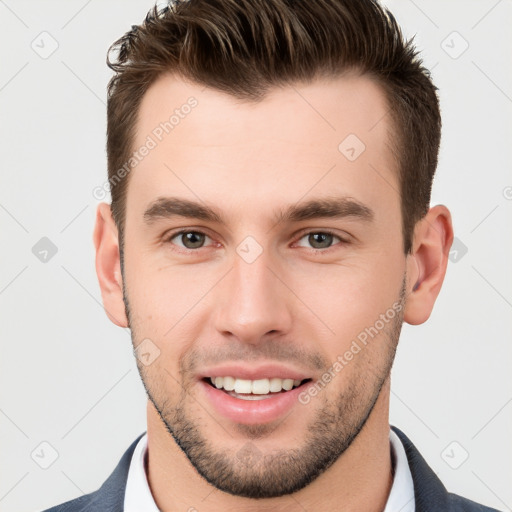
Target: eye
<point>189,239</point>
<point>320,239</point>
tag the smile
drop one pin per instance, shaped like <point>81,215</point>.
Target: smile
<point>253,401</point>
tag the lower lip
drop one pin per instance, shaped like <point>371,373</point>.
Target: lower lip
<point>252,412</point>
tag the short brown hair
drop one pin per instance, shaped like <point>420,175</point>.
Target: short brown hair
<point>245,47</point>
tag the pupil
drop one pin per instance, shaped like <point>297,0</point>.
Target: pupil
<point>192,239</point>
<point>314,238</point>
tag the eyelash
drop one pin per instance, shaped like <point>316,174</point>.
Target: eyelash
<point>342,241</point>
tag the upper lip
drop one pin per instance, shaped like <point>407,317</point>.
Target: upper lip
<point>266,371</point>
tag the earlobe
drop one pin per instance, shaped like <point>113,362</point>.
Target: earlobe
<point>427,263</point>
<point>108,265</point>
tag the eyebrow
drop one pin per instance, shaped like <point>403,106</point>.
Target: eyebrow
<point>328,207</point>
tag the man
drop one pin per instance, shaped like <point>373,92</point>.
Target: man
<point>270,164</point>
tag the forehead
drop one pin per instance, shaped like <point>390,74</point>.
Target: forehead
<point>300,139</point>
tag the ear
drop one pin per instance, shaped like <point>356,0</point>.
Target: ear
<point>108,265</point>
<point>426,265</point>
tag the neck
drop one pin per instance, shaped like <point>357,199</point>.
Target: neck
<point>360,480</point>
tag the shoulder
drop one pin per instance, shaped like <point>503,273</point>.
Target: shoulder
<point>460,504</point>
<point>110,496</point>
<point>430,493</point>
<point>78,504</point>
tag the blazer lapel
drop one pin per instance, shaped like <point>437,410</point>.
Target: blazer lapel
<point>429,492</point>
<point>110,496</point>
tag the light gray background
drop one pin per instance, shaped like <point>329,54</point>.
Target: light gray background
<point>67,374</point>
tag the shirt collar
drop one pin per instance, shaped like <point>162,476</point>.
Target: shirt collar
<point>138,495</point>
<point>401,496</point>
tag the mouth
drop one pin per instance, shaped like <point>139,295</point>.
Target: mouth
<point>242,405</point>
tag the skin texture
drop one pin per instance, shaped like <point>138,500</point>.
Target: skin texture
<point>207,305</point>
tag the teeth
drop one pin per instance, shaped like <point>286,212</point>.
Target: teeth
<point>288,384</point>
<point>276,385</point>
<point>241,385</point>
<point>256,387</point>
<point>260,387</point>
<point>229,383</point>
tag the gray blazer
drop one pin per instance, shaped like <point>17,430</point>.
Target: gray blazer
<point>430,493</point>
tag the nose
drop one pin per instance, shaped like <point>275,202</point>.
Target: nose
<point>253,303</point>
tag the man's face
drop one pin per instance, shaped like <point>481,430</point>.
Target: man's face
<point>249,289</point>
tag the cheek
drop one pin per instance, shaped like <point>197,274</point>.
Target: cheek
<point>360,310</point>
<point>349,297</point>
<point>165,301</point>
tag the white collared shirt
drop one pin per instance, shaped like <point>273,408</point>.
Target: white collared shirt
<point>401,496</point>
<point>138,497</point>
